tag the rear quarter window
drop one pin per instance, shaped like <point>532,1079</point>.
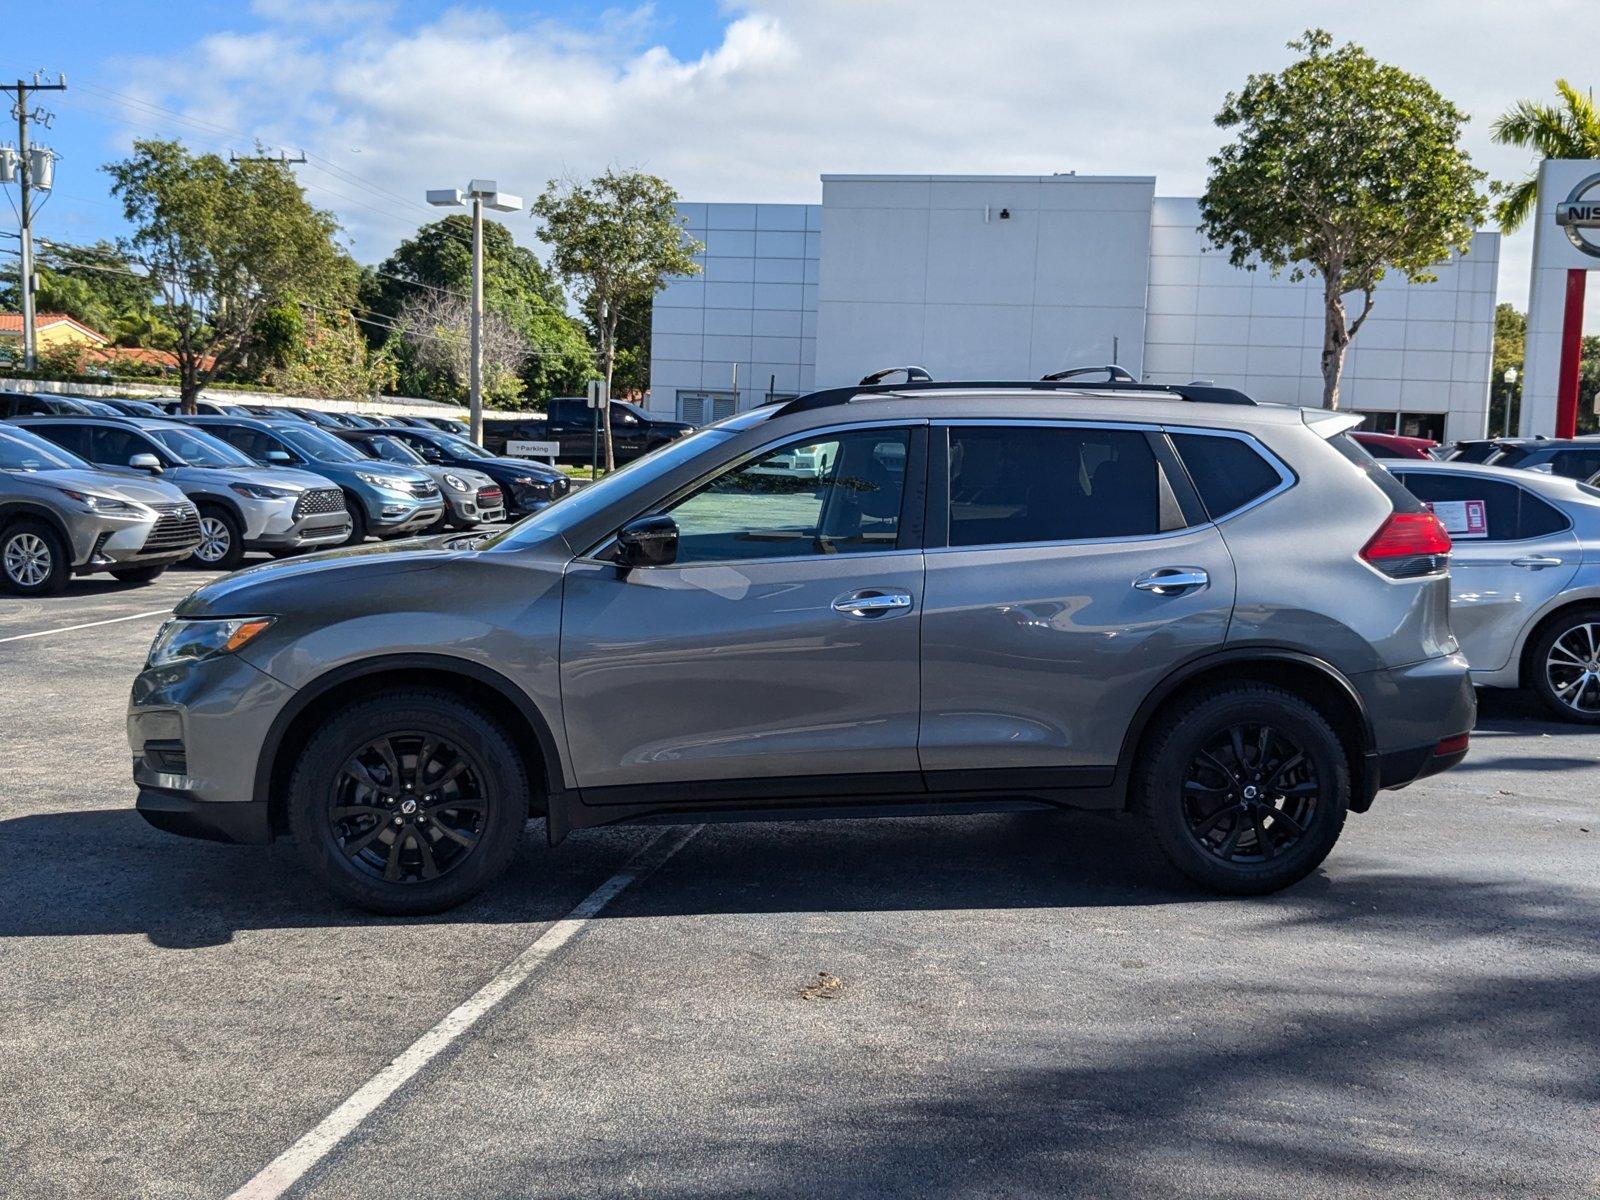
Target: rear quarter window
<point>1228,472</point>
<point>1511,513</point>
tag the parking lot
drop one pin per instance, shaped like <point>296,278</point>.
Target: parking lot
<point>1017,1004</point>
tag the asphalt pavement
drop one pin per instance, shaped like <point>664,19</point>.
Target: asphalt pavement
<point>1005,1005</point>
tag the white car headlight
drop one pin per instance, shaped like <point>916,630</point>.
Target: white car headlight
<point>458,483</point>
<point>180,640</point>
<point>384,481</point>
<point>106,505</point>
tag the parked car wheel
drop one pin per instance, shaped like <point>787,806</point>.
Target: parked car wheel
<point>1244,788</point>
<point>408,803</point>
<point>33,559</point>
<point>137,574</point>
<point>1564,666</point>
<point>221,545</point>
<point>358,521</point>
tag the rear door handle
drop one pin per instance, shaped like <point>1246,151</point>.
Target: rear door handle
<point>1172,581</point>
<point>1534,561</point>
<point>871,603</point>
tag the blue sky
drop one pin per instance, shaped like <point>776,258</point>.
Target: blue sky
<point>738,100</point>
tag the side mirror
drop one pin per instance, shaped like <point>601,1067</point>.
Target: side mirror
<point>648,542</point>
<point>146,462</point>
<point>278,458</point>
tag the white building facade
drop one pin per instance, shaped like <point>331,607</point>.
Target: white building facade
<point>1005,277</point>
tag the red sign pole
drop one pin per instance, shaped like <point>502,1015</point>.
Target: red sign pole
<point>1571,357</point>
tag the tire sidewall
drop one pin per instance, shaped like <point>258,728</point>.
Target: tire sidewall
<point>1539,682</point>
<point>358,520</point>
<point>1160,786</point>
<point>56,580</point>
<point>235,554</point>
<point>494,757</point>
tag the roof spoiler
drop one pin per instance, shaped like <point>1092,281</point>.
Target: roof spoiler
<point>1327,422</point>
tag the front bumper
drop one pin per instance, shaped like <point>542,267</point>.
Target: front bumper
<point>104,543</point>
<point>463,510</point>
<point>391,514</point>
<point>174,812</point>
<point>272,525</point>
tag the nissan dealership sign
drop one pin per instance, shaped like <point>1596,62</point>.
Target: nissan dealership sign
<point>1580,212</point>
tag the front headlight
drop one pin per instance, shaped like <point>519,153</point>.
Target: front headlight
<point>105,505</point>
<point>257,491</point>
<point>458,483</point>
<point>180,640</point>
<point>384,481</point>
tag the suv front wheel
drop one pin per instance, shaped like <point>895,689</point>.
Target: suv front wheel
<point>408,803</point>
<point>1244,787</point>
<point>33,559</point>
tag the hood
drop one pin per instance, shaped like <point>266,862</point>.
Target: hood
<point>525,466</point>
<point>290,479</point>
<point>346,472</point>
<point>142,489</point>
<point>294,584</point>
<point>473,479</point>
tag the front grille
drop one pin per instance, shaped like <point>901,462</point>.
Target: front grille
<point>490,497</point>
<point>177,527</point>
<point>318,501</point>
<point>425,491</point>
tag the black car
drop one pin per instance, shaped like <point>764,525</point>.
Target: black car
<point>30,404</point>
<point>1574,458</point>
<point>133,408</point>
<point>528,486</point>
<point>205,408</point>
<point>446,424</point>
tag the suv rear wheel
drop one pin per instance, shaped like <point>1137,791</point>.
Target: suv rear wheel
<point>33,559</point>
<point>1565,662</point>
<point>1244,788</point>
<point>408,803</point>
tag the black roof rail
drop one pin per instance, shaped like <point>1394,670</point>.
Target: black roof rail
<point>1113,373</point>
<point>1198,393</point>
<point>913,375</point>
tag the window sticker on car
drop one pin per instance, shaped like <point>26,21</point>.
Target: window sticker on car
<point>1462,518</point>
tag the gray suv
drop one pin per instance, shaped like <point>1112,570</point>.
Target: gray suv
<point>61,517</point>
<point>1223,617</point>
<point>243,506</point>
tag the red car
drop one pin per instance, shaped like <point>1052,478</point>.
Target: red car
<point>1394,445</point>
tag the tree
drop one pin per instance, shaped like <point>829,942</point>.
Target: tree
<point>1569,128</point>
<point>615,240</point>
<point>224,242</point>
<point>330,358</point>
<point>436,329</point>
<point>516,286</point>
<point>98,286</point>
<point>1345,168</point>
<point>1510,336</point>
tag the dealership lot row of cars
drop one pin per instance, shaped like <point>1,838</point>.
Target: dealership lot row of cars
<point>90,485</point>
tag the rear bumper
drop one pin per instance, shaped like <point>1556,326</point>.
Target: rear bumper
<point>1416,712</point>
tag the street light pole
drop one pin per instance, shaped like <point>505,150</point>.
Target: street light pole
<point>1510,378</point>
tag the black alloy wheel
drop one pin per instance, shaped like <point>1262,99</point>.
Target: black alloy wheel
<point>1249,794</point>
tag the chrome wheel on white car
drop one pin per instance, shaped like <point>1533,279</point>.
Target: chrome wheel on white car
<point>215,541</point>
<point>1572,668</point>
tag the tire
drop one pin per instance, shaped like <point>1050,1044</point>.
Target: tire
<point>1567,656</point>
<point>137,574</point>
<point>33,559</point>
<point>341,817</point>
<point>358,520</point>
<point>223,536</point>
<point>1207,809</point>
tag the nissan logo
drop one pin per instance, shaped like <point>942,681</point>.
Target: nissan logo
<point>1579,212</point>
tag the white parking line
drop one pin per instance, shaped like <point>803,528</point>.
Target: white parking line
<point>20,637</point>
<point>282,1172</point>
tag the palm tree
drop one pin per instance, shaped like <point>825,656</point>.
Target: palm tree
<point>1568,129</point>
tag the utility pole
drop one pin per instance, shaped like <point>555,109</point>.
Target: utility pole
<point>25,284</point>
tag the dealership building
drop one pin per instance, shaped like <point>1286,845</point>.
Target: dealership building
<point>1004,277</point>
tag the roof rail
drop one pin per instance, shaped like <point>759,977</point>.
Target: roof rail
<point>1195,392</point>
<point>1113,372</point>
<point>913,375</point>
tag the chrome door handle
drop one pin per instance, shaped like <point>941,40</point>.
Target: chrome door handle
<point>861,604</point>
<point>1172,581</point>
<point>1534,561</point>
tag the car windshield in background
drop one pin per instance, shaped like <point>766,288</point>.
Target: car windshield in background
<point>198,449</point>
<point>23,452</point>
<point>393,450</point>
<point>315,443</point>
<point>461,447</point>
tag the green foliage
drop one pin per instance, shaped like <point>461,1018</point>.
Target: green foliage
<point>331,359</point>
<point>1510,336</point>
<point>1569,128</point>
<point>224,242</point>
<point>615,240</point>
<point>98,286</point>
<point>1346,168</point>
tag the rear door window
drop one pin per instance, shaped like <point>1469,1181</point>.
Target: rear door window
<point>115,446</point>
<point>1228,472</point>
<point>1476,509</point>
<point>68,436</point>
<point>1019,484</point>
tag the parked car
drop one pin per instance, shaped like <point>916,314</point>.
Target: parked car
<point>445,425</point>
<point>570,424</point>
<point>1524,578</point>
<point>31,404</point>
<point>386,502</point>
<point>471,497</point>
<point>321,420</point>
<point>205,408</point>
<point>1394,445</point>
<point>134,408</point>
<point>61,517</point>
<point>412,422</point>
<point>1574,458</point>
<point>1472,450</point>
<point>999,596</point>
<point>528,486</point>
<point>243,506</point>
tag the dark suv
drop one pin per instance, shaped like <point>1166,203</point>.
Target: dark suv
<point>526,486</point>
<point>1223,617</point>
<point>1575,458</point>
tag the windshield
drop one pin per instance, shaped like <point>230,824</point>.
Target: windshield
<point>392,450</point>
<point>21,451</point>
<point>318,444</point>
<point>586,501</point>
<point>629,406</point>
<point>198,449</point>
<point>461,447</point>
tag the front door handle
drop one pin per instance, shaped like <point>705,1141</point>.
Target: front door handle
<point>1535,561</point>
<point>871,603</point>
<point>1172,581</point>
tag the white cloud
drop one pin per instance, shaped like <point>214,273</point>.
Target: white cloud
<point>795,88</point>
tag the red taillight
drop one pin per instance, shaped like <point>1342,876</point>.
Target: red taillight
<point>1452,745</point>
<point>1407,544</point>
